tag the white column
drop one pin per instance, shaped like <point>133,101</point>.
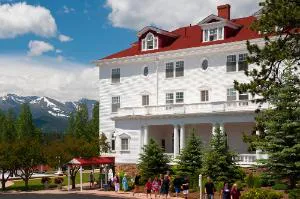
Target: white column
<point>146,135</point>
<point>141,139</point>
<point>213,129</point>
<point>80,178</point>
<point>222,128</point>
<point>69,178</point>
<point>258,151</point>
<point>182,137</point>
<point>176,141</point>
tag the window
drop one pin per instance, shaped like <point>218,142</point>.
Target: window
<point>115,104</point>
<point>124,144</point>
<point>243,65</point>
<point>115,75</point>
<point>150,42</point>
<point>231,63</point>
<point>145,100</point>
<point>169,70</point>
<point>231,94</point>
<point>113,143</point>
<point>179,97</point>
<point>213,34</point>
<point>204,96</point>
<point>243,96</point>
<point>169,98</point>
<point>204,64</point>
<point>179,68</point>
<point>146,71</point>
<point>163,144</point>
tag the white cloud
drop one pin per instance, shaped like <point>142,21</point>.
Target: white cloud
<point>21,18</point>
<point>58,51</point>
<point>37,48</point>
<point>43,76</point>
<point>68,10</point>
<point>64,38</point>
<point>170,14</point>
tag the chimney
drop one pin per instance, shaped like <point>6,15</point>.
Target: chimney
<point>224,11</point>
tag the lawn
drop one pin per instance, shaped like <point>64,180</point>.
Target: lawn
<point>35,184</point>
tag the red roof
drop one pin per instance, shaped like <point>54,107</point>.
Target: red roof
<point>92,161</point>
<point>191,36</point>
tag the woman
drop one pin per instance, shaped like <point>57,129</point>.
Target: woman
<point>136,183</point>
<point>235,193</point>
<point>125,183</point>
<point>148,187</point>
<point>155,186</point>
<point>225,192</point>
<point>165,186</point>
<point>185,187</point>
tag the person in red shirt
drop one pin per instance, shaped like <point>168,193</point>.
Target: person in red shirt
<point>148,187</point>
<point>235,193</point>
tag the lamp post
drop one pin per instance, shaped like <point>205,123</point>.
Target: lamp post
<point>59,171</point>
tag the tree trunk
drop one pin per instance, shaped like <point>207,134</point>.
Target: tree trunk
<point>26,183</point>
<point>73,179</point>
<point>3,181</point>
<point>292,182</point>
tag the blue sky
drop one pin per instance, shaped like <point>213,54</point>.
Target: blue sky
<point>47,46</point>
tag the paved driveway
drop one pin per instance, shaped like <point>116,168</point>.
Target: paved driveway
<point>53,196</point>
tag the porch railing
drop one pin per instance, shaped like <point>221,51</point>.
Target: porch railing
<point>222,106</point>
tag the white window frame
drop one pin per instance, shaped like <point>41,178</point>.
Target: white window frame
<point>170,98</point>
<point>242,60</point>
<point>113,140</point>
<point>242,95</point>
<point>175,65</point>
<point>179,97</point>
<point>206,95</point>
<point>218,32</point>
<point>117,80</point>
<point>231,93</point>
<point>146,100</point>
<point>115,100</point>
<point>146,42</point>
<point>123,149</point>
<point>231,59</point>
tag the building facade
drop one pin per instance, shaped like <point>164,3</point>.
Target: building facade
<point>168,85</point>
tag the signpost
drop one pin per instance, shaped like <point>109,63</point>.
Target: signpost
<point>200,185</point>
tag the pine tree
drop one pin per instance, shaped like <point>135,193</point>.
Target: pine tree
<point>25,126</point>
<point>281,136</point>
<point>94,123</point>
<point>81,122</point>
<point>190,159</point>
<point>218,160</point>
<point>152,161</point>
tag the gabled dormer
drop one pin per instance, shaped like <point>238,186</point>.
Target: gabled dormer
<point>152,38</point>
<point>218,27</point>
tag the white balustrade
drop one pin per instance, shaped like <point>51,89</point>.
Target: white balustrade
<point>173,109</point>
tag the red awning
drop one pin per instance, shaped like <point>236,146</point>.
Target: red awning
<point>92,161</point>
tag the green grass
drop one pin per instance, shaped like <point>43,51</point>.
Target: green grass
<point>35,184</point>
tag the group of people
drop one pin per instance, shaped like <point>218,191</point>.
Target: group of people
<point>226,192</point>
<point>116,182</point>
<point>161,186</point>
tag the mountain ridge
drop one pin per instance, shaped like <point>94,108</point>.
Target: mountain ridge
<point>49,114</point>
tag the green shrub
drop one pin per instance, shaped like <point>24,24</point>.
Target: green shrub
<point>280,186</point>
<point>253,181</point>
<point>266,179</point>
<point>219,186</point>
<point>261,194</point>
<point>241,185</point>
<point>294,194</point>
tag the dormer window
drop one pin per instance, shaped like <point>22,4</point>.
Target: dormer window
<point>150,42</point>
<point>213,34</point>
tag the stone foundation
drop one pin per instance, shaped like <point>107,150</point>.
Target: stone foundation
<point>129,169</point>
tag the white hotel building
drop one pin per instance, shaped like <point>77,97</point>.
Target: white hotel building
<point>170,84</point>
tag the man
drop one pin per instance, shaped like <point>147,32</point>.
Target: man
<point>209,188</point>
<point>136,183</point>
<point>177,185</point>
<point>91,180</point>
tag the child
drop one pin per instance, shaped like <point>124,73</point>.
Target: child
<point>155,186</point>
<point>148,187</point>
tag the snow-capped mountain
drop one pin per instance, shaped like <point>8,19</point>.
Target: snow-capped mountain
<point>48,114</point>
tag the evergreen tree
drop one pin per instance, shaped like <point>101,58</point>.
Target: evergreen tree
<point>281,135</point>
<point>152,161</point>
<point>94,123</point>
<point>81,128</point>
<point>218,161</point>
<point>280,20</point>
<point>190,159</point>
<point>276,80</point>
<point>25,126</point>
<point>71,124</point>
